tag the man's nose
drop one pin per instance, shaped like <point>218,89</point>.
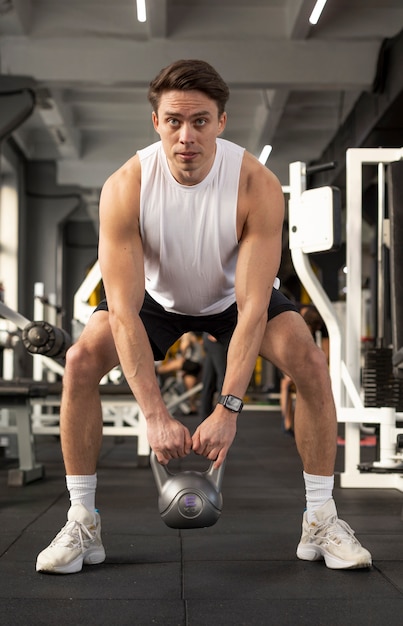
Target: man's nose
<point>186,134</point>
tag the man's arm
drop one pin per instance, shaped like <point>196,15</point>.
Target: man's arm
<point>258,263</point>
<point>260,215</point>
<point>122,267</point>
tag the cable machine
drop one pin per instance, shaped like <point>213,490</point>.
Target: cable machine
<point>314,218</point>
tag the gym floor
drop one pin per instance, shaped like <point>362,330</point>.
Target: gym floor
<point>241,571</point>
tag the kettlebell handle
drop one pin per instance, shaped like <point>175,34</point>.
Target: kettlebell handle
<point>162,473</point>
<point>216,475</point>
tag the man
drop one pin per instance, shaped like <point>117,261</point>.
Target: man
<point>320,335</point>
<point>190,240</point>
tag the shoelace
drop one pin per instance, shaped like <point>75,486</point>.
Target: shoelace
<point>335,530</point>
<point>73,535</point>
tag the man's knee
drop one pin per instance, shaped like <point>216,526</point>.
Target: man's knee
<point>76,359</point>
<point>319,360</point>
<point>84,365</point>
<point>310,368</point>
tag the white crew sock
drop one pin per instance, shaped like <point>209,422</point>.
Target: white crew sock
<point>318,489</point>
<point>82,490</point>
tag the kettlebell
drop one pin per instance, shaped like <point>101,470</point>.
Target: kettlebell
<point>188,499</point>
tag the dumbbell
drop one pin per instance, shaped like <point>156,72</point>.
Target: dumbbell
<point>188,499</point>
<point>45,339</point>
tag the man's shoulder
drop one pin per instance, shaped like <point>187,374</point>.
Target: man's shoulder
<point>129,171</point>
<point>230,146</point>
<point>257,180</point>
<point>149,151</point>
<point>251,166</point>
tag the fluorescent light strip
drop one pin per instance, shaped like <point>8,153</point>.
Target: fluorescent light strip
<point>141,10</point>
<point>317,11</point>
<point>264,155</point>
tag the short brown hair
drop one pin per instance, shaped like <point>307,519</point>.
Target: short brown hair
<point>186,75</point>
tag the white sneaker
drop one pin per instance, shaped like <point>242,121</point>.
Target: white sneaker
<point>78,542</point>
<point>331,539</point>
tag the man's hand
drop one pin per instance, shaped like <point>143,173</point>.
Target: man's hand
<point>215,435</point>
<point>169,439</point>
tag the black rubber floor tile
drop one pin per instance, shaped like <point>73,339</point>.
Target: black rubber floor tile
<point>7,539</point>
<point>295,612</point>
<point>393,571</point>
<point>120,548</point>
<point>254,521</point>
<point>281,579</point>
<point>142,549</point>
<point>125,514</point>
<point>14,510</point>
<point>130,521</point>
<point>100,611</point>
<point>241,571</point>
<point>243,547</point>
<point>373,524</point>
<point>384,546</point>
<point>273,495</point>
<point>25,549</point>
<point>131,581</point>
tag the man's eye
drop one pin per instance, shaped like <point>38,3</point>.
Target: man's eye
<point>173,122</point>
<point>200,122</point>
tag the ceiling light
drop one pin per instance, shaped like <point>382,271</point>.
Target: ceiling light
<point>264,155</point>
<point>317,11</point>
<point>141,10</point>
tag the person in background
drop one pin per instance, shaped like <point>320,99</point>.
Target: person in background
<point>187,363</point>
<point>214,364</point>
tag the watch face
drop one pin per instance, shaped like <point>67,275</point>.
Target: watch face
<point>233,403</point>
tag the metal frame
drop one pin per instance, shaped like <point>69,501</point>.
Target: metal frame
<point>345,370</point>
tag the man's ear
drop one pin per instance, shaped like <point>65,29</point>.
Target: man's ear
<point>154,118</point>
<point>222,122</point>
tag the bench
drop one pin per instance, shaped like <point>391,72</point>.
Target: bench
<point>16,397</point>
<point>29,400</point>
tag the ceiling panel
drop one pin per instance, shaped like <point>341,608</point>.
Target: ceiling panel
<point>292,85</point>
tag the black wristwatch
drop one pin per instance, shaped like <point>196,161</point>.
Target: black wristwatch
<point>232,403</point>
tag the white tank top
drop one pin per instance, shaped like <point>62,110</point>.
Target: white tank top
<point>189,232</point>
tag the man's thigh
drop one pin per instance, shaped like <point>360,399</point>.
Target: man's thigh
<point>287,342</point>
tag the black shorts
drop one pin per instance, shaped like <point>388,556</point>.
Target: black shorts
<point>164,328</point>
<point>191,367</point>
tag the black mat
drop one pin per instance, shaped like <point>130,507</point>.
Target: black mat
<point>242,571</point>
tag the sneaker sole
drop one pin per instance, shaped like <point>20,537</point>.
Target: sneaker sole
<point>95,557</point>
<point>310,553</point>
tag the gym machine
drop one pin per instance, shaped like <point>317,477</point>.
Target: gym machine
<point>314,216</point>
<point>31,407</point>
<point>18,396</point>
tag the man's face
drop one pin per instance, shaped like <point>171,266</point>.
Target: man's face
<point>188,125</point>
